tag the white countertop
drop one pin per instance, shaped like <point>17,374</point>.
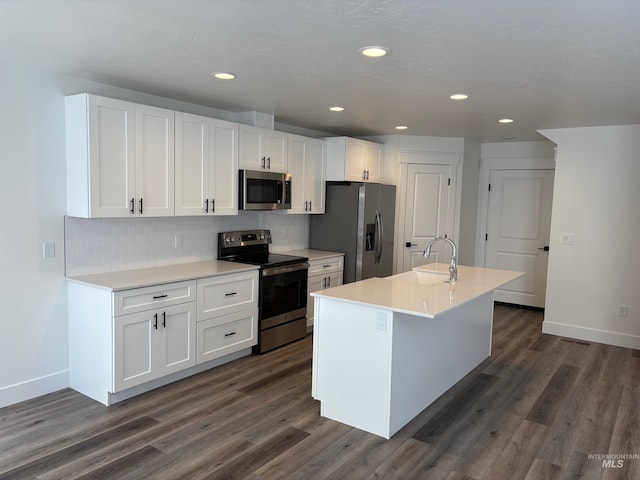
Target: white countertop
<point>401,293</point>
<point>312,254</point>
<point>146,277</point>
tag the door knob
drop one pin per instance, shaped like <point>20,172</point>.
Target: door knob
<point>409,244</point>
<point>545,248</point>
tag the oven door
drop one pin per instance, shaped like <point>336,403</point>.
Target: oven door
<point>283,294</point>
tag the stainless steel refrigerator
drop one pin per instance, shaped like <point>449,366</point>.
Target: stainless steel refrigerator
<point>358,221</point>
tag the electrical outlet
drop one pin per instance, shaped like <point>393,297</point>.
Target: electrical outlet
<point>48,250</point>
<point>381,321</point>
<point>623,311</point>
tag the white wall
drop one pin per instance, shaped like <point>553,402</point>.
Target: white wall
<point>33,352</point>
<point>33,343</point>
<point>596,198</point>
<point>469,203</point>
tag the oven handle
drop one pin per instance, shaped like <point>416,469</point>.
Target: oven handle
<point>267,272</point>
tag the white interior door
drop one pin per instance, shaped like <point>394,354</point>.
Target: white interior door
<point>429,212</point>
<point>518,223</point>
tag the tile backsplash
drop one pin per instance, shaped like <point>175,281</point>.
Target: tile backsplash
<point>113,244</point>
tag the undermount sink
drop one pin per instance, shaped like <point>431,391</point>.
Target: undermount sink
<point>419,277</point>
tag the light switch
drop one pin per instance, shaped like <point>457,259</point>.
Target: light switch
<point>48,250</point>
<point>567,239</point>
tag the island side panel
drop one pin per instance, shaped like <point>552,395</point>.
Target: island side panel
<point>430,355</point>
<point>351,364</point>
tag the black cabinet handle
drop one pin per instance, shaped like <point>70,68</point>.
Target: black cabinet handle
<point>264,162</point>
<point>164,319</point>
<point>141,206</point>
<point>206,206</point>
<point>268,163</point>
<point>213,205</point>
<point>229,334</point>
<point>155,322</point>
<point>132,209</point>
<point>160,296</point>
<point>230,294</point>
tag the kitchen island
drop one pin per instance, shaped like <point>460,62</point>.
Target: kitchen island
<point>385,348</point>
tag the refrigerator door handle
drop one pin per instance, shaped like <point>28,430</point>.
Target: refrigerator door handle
<point>379,236</point>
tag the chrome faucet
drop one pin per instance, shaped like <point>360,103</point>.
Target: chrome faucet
<point>453,268</point>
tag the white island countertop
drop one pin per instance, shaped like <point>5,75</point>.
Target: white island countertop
<point>424,295</point>
<point>146,277</point>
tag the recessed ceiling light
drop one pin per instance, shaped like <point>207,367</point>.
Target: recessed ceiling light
<point>509,137</point>
<point>336,109</point>
<point>506,120</point>
<point>373,51</point>
<point>459,96</point>
<point>401,127</point>
<point>224,75</point>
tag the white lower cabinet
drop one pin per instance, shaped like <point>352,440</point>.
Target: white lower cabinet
<point>153,343</point>
<point>227,314</point>
<point>323,273</point>
<point>126,342</point>
<point>223,335</point>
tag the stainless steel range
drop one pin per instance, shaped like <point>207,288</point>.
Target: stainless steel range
<point>283,286</point>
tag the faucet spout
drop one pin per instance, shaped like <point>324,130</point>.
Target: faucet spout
<point>453,267</point>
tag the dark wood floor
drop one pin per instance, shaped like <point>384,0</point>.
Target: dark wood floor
<point>540,407</point>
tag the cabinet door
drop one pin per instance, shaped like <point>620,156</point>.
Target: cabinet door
<point>354,168</point>
<point>372,161</point>
<point>296,155</point>
<point>275,147</point>
<point>315,167</point>
<point>221,336</point>
<point>251,156</point>
<point>223,167</point>
<point>112,167</point>
<point>134,349</point>
<point>306,158</point>
<point>176,338</point>
<point>154,161</point>
<point>191,164</point>
<point>314,284</point>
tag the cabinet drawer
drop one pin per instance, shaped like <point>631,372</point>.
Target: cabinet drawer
<point>331,264</point>
<point>223,335</point>
<point>226,294</point>
<point>140,299</point>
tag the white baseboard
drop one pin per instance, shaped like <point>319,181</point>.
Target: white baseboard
<point>592,335</point>
<point>20,392</point>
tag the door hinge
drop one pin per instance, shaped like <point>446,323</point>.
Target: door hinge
<point>448,181</point>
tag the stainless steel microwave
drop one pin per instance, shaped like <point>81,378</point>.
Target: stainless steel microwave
<point>264,190</point>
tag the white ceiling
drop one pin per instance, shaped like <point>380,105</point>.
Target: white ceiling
<point>544,63</point>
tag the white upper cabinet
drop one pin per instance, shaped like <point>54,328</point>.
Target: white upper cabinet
<point>206,170</point>
<point>262,149</point>
<point>307,165</point>
<point>353,159</point>
<point>120,158</point>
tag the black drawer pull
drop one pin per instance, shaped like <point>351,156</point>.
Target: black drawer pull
<point>229,334</point>
<point>326,266</point>
<point>160,296</point>
<point>230,294</point>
